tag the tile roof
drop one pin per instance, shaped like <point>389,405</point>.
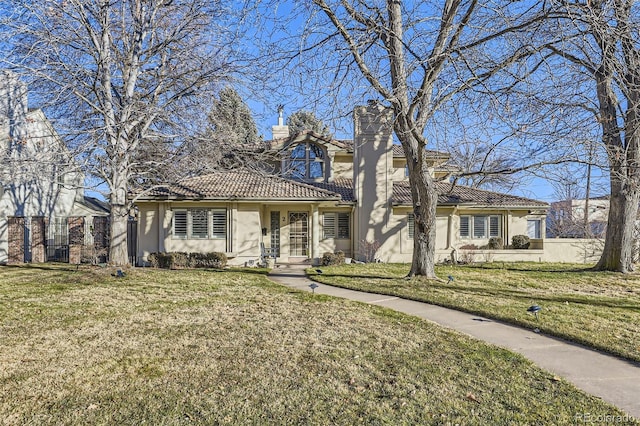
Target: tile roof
<point>398,151</point>
<point>341,186</point>
<point>456,195</point>
<point>243,185</point>
<point>240,185</point>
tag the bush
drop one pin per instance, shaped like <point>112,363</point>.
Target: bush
<point>469,247</point>
<point>495,243</point>
<point>207,260</point>
<point>520,242</point>
<point>336,258</point>
<point>175,260</point>
<point>153,259</point>
<point>179,259</point>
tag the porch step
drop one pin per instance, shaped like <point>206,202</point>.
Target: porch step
<point>289,265</point>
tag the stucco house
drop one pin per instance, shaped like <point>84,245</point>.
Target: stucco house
<point>41,189</point>
<point>329,195</point>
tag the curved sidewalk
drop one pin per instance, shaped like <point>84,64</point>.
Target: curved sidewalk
<point>614,380</point>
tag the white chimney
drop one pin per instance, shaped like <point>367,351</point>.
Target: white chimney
<point>280,131</point>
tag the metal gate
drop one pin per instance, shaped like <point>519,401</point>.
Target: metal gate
<point>275,233</point>
<point>58,240</point>
<point>132,241</point>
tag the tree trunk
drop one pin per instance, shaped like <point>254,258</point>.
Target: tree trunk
<point>118,253</point>
<point>424,236</point>
<point>425,199</point>
<point>617,254</point>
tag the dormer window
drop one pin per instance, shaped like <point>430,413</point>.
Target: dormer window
<point>306,162</point>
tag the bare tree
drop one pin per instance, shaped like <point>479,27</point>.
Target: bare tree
<point>129,75</point>
<point>418,56</point>
<point>600,46</point>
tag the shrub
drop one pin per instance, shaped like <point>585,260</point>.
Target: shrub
<point>165,260</point>
<point>336,258</point>
<point>467,257</point>
<point>520,242</point>
<point>469,247</point>
<point>179,259</point>
<point>207,260</point>
<point>495,243</point>
<point>153,259</point>
<point>187,260</point>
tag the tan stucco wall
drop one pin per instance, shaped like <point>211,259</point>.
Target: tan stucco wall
<point>343,166</point>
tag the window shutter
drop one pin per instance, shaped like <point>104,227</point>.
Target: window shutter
<point>329,225</point>
<point>180,223</point>
<point>343,225</point>
<point>219,223</point>
<point>464,226</point>
<point>199,223</point>
<point>494,226</point>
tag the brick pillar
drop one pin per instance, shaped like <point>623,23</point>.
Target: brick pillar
<point>38,239</point>
<point>16,239</point>
<point>76,239</point>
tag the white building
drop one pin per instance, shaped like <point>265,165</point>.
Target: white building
<point>40,185</point>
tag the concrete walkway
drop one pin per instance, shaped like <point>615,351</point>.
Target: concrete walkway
<point>614,380</point>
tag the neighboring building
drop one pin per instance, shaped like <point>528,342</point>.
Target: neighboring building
<point>566,219</point>
<point>40,186</point>
<point>330,195</point>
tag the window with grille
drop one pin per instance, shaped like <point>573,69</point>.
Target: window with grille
<point>480,226</point>
<point>336,225</point>
<point>306,161</point>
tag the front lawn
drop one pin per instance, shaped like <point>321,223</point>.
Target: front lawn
<point>204,347</point>
<point>597,309</point>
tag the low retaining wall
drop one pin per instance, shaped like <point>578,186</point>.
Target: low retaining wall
<point>561,250</point>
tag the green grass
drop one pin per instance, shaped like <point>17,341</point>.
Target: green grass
<point>597,309</point>
<point>206,347</point>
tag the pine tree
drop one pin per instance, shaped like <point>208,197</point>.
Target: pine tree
<point>231,120</point>
<point>306,120</point>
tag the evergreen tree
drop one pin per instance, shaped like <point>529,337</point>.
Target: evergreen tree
<point>231,120</point>
<point>306,120</point>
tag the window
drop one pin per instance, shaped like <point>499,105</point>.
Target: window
<point>410,225</point>
<point>336,225</point>
<point>464,226</point>
<point>533,228</point>
<point>306,161</point>
<point>200,223</point>
<point>480,226</point>
<point>219,229</point>
<point>180,224</point>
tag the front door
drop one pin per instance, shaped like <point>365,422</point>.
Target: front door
<point>298,233</point>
